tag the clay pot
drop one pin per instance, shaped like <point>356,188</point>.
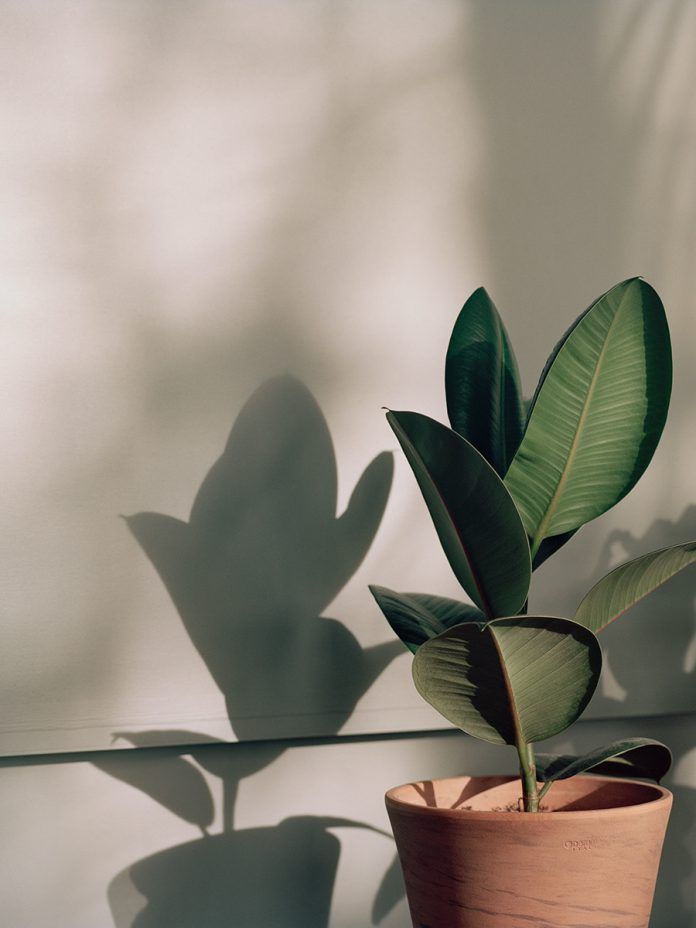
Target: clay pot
<point>589,859</point>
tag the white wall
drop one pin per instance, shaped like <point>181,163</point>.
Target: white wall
<point>198,197</point>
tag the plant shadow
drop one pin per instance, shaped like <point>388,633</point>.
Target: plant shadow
<point>260,559</point>
<point>652,664</point>
<point>262,556</point>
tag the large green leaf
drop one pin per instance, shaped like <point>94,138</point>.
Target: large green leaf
<point>553,543</point>
<point>626,585</point>
<point>416,617</point>
<point>482,383</point>
<point>513,679</point>
<point>631,757</point>
<point>477,522</point>
<point>598,414</point>
<point>529,404</point>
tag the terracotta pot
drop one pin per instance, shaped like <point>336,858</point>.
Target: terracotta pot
<point>590,859</point>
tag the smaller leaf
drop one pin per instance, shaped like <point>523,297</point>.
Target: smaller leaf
<point>626,585</point>
<point>631,757</point>
<point>474,515</point>
<point>416,617</point>
<point>482,382</point>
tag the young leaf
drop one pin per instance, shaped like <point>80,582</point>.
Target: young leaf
<point>515,678</point>
<point>482,382</point>
<point>631,757</point>
<point>416,617</point>
<point>474,515</point>
<point>598,415</point>
<point>626,585</point>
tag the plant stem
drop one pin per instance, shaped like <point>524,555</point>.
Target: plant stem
<point>530,789</point>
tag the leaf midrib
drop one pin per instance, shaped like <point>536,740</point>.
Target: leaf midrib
<point>553,502</point>
<point>516,721</point>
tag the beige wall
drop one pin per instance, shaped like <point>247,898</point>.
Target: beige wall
<point>198,197</point>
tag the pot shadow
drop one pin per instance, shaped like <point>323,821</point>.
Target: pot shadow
<point>250,574</point>
<point>281,875</point>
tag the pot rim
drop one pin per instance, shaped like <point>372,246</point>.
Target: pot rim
<point>662,797</point>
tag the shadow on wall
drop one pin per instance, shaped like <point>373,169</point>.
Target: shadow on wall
<point>650,665</point>
<point>651,652</point>
<point>261,557</point>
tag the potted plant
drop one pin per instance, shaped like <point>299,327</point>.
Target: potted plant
<point>572,841</point>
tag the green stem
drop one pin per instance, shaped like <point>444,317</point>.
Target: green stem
<point>530,789</point>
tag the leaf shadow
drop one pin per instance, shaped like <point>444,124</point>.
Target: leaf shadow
<point>261,558</point>
<point>652,662</point>
<point>250,574</point>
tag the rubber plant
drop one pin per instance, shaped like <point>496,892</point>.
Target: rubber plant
<point>506,486</point>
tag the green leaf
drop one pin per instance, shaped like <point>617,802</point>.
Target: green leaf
<point>482,383</point>
<point>626,585</point>
<point>416,617</point>
<point>598,415</point>
<point>513,679</point>
<point>549,546</point>
<point>631,757</point>
<point>474,515</point>
<point>529,404</point>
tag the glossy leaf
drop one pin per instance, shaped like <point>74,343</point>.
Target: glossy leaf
<point>482,383</point>
<point>516,678</point>
<point>416,617</point>
<point>550,545</point>
<point>474,515</point>
<point>529,404</point>
<point>626,585</point>
<point>631,757</point>
<point>598,414</point>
